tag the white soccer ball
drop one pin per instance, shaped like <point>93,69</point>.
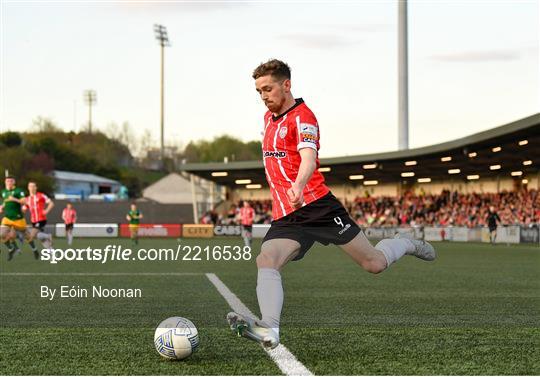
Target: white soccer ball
<point>176,338</point>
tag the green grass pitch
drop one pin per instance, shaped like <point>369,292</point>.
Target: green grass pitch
<point>475,310</point>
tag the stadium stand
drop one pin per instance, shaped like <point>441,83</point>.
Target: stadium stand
<point>490,161</point>
<point>447,208</point>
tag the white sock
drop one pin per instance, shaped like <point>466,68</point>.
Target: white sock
<point>70,238</point>
<point>270,296</point>
<point>394,248</point>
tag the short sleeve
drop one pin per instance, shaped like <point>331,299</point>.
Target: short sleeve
<point>308,131</point>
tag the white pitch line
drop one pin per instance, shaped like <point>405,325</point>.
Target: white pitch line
<point>284,359</point>
<point>100,273</point>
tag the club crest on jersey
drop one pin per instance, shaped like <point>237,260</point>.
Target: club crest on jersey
<point>283,132</point>
<point>275,154</point>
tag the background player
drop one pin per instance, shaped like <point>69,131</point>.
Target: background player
<point>69,215</point>
<point>134,217</point>
<point>13,199</point>
<point>303,208</point>
<point>492,219</point>
<point>247,214</point>
<point>39,206</point>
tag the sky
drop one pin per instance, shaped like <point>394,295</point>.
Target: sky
<point>473,65</point>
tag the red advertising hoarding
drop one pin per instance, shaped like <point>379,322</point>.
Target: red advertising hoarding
<point>153,230</point>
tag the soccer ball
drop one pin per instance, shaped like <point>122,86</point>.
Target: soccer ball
<point>176,338</point>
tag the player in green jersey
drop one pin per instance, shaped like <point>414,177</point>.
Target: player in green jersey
<point>13,200</point>
<point>134,217</point>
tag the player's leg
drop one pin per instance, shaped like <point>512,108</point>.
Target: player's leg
<point>69,233</point>
<point>27,234</point>
<point>8,238</point>
<point>249,236</point>
<point>492,235</point>
<point>136,235</point>
<point>275,253</point>
<point>387,251</point>
<point>246,235</point>
<point>41,235</point>
<point>132,233</point>
<point>365,255</point>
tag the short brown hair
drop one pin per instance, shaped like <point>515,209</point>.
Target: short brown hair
<point>276,68</point>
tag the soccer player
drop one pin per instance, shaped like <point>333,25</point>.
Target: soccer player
<point>134,217</point>
<point>69,215</point>
<point>39,205</point>
<point>304,210</point>
<point>247,214</point>
<point>13,199</point>
<point>492,220</point>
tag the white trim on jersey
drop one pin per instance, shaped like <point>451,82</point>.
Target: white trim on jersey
<point>268,175</point>
<point>275,149</point>
<point>306,144</point>
<point>273,187</point>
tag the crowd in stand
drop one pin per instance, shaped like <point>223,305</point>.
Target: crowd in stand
<point>445,209</point>
<point>263,214</point>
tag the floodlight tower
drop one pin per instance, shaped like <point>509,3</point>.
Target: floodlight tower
<point>90,98</point>
<point>163,39</point>
<point>403,78</point>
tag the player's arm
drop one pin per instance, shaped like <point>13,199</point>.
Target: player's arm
<point>140,215</point>
<point>12,198</point>
<point>50,205</point>
<point>308,145</point>
<point>305,171</point>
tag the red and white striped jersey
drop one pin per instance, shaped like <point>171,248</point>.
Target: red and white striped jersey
<point>69,216</point>
<point>36,204</point>
<point>283,137</point>
<point>247,215</point>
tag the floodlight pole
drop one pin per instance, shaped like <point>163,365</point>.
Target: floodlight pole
<point>162,153</point>
<point>90,98</point>
<point>163,39</point>
<point>403,78</point>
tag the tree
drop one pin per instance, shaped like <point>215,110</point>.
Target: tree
<point>221,147</point>
<point>122,134</point>
<point>10,139</point>
<point>15,160</point>
<point>145,143</point>
<point>45,125</point>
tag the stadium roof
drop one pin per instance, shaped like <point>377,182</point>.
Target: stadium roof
<point>82,177</point>
<point>509,146</point>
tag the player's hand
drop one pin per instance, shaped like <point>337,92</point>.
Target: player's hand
<point>296,198</point>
